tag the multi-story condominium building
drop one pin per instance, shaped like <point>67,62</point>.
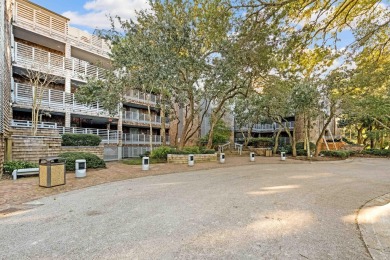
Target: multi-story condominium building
<point>5,76</point>
<point>264,130</point>
<point>293,122</point>
<point>44,39</point>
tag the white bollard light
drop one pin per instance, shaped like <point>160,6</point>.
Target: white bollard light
<point>252,156</point>
<point>222,157</point>
<point>81,168</point>
<point>145,163</point>
<point>283,156</point>
<point>191,160</point>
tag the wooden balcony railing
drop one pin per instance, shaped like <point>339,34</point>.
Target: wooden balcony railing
<point>108,136</point>
<point>30,17</point>
<point>268,127</point>
<point>142,118</point>
<point>89,42</point>
<point>39,20</point>
<point>55,100</point>
<point>29,57</point>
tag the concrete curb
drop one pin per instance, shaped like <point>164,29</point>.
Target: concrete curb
<point>373,220</point>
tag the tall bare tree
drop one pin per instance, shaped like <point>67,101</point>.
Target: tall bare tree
<point>41,77</point>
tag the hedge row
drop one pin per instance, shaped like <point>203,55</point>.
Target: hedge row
<point>377,152</point>
<point>10,166</point>
<point>162,151</point>
<point>261,141</point>
<point>92,160</point>
<point>80,140</point>
<point>340,153</point>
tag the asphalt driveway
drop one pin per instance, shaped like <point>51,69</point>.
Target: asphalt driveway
<point>270,211</point>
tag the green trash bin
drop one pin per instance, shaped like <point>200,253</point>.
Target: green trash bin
<point>51,172</point>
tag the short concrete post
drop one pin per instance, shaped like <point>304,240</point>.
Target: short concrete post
<point>190,160</point>
<point>222,157</point>
<point>145,163</point>
<point>283,156</point>
<point>252,156</point>
<point>81,168</point>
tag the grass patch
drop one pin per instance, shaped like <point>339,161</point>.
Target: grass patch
<point>138,161</point>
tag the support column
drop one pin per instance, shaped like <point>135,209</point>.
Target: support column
<point>120,131</point>
<point>8,148</point>
<point>67,119</point>
<point>68,86</point>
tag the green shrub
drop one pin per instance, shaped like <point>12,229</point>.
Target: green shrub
<point>377,152</point>
<point>261,142</point>
<point>208,151</point>
<point>285,148</point>
<point>345,140</point>
<point>301,145</point>
<point>10,166</point>
<point>191,150</point>
<point>339,154</point>
<point>92,160</point>
<point>80,140</point>
<point>146,154</point>
<point>138,161</point>
<point>161,152</point>
<point>301,152</point>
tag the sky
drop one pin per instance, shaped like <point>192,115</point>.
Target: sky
<point>89,15</point>
<point>92,14</point>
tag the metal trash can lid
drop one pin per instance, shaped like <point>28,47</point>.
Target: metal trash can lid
<point>51,159</point>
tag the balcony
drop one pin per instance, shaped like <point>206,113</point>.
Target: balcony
<point>264,128</point>
<point>88,42</point>
<point>108,136</point>
<point>271,127</point>
<point>142,98</point>
<point>28,57</point>
<point>140,118</point>
<point>141,139</point>
<point>55,100</point>
<point>34,18</point>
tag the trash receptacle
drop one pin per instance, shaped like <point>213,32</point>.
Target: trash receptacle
<point>51,172</point>
<point>81,168</point>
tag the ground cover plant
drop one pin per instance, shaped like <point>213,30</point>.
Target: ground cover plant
<point>377,152</point>
<point>93,161</point>
<point>10,166</point>
<point>80,140</point>
<point>343,154</point>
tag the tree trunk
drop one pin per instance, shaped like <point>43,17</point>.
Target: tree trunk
<point>318,142</point>
<point>210,139</point>
<point>188,120</point>
<point>294,144</point>
<point>307,141</point>
<point>211,132</point>
<point>150,128</point>
<point>277,141</point>
<point>162,130</point>
<point>176,140</point>
<point>291,138</point>
<point>372,142</point>
<point>360,135</point>
<point>34,112</point>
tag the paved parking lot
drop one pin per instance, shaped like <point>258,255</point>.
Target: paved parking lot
<point>258,211</point>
